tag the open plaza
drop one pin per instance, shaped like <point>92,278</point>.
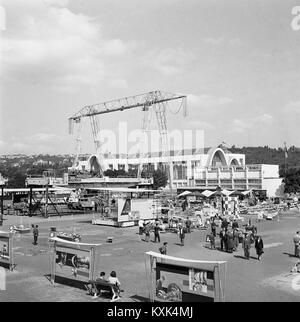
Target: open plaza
<point>269,279</point>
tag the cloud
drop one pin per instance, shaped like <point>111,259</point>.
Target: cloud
<point>234,42</point>
<point>201,125</point>
<point>293,107</point>
<point>169,61</point>
<point>213,41</point>
<point>208,101</point>
<point>241,126</point>
<point>50,45</point>
<point>57,3</point>
<point>45,137</point>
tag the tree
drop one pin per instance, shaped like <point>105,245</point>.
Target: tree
<point>160,178</point>
<point>292,180</point>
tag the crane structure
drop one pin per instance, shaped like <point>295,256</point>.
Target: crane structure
<point>157,100</point>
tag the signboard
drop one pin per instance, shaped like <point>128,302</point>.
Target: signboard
<point>36,181</point>
<point>73,260</point>
<point>174,279</point>
<point>6,250</point>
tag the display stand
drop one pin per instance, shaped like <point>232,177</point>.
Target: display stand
<point>6,250</point>
<point>73,260</point>
<point>174,279</point>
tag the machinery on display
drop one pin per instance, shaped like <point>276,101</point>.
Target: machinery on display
<point>174,279</point>
<point>73,260</point>
<point>6,250</point>
<point>157,100</point>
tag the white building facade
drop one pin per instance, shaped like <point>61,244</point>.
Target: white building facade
<point>203,168</point>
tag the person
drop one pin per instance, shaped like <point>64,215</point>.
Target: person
<point>212,241</point>
<point>247,245</point>
<point>99,279</point>
<point>259,246</point>
<point>296,240</point>
<point>156,233</point>
<point>222,235</point>
<point>236,235</point>
<point>230,242</point>
<point>159,287</point>
<point>141,227</point>
<point>116,289</point>
<point>147,232</point>
<point>188,225</point>
<point>214,228</point>
<point>35,234</point>
<point>224,224</point>
<point>163,248</point>
<point>181,233</point>
<point>235,224</point>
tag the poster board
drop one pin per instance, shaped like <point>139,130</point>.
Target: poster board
<point>6,250</point>
<point>135,209</point>
<point>174,279</point>
<point>73,260</point>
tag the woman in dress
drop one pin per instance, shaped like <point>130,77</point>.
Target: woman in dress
<point>259,246</point>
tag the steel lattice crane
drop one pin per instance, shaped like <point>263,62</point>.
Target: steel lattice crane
<point>157,100</point>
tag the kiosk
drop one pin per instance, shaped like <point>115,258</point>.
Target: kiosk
<point>73,260</point>
<point>6,250</point>
<point>174,279</point>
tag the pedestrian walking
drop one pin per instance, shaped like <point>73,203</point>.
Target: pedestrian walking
<point>296,240</point>
<point>35,234</point>
<point>141,228</point>
<point>147,232</point>
<point>223,237</point>
<point>181,233</point>
<point>236,235</point>
<point>212,241</point>
<point>247,245</point>
<point>259,246</point>
<point>163,248</point>
<point>230,241</point>
<point>188,224</point>
<point>156,233</point>
<point>214,228</point>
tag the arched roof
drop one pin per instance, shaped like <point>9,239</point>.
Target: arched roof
<point>214,153</point>
<point>234,161</point>
<point>94,164</point>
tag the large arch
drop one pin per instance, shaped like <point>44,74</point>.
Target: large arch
<point>216,158</point>
<point>94,164</point>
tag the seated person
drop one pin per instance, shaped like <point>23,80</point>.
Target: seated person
<point>160,292</point>
<point>99,279</point>
<point>116,289</point>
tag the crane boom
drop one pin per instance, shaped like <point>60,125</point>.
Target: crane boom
<point>126,103</point>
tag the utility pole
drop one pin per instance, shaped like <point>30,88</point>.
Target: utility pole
<point>2,184</point>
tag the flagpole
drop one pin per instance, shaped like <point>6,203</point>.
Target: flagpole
<point>285,157</point>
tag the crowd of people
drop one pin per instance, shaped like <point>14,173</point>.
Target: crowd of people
<point>231,236</point>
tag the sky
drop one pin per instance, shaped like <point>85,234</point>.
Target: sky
<point>236,60</point>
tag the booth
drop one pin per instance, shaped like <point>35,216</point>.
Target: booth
<point>174,279</point>
<point>6,250</point>
<point>73,260</point>
<point>125,207</point>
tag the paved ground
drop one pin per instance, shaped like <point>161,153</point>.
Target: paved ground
<point>265,280</point>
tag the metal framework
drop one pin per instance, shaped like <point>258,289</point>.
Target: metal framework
<point>157,99</point>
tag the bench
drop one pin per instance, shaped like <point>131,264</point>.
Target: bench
<point>102,285</point>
